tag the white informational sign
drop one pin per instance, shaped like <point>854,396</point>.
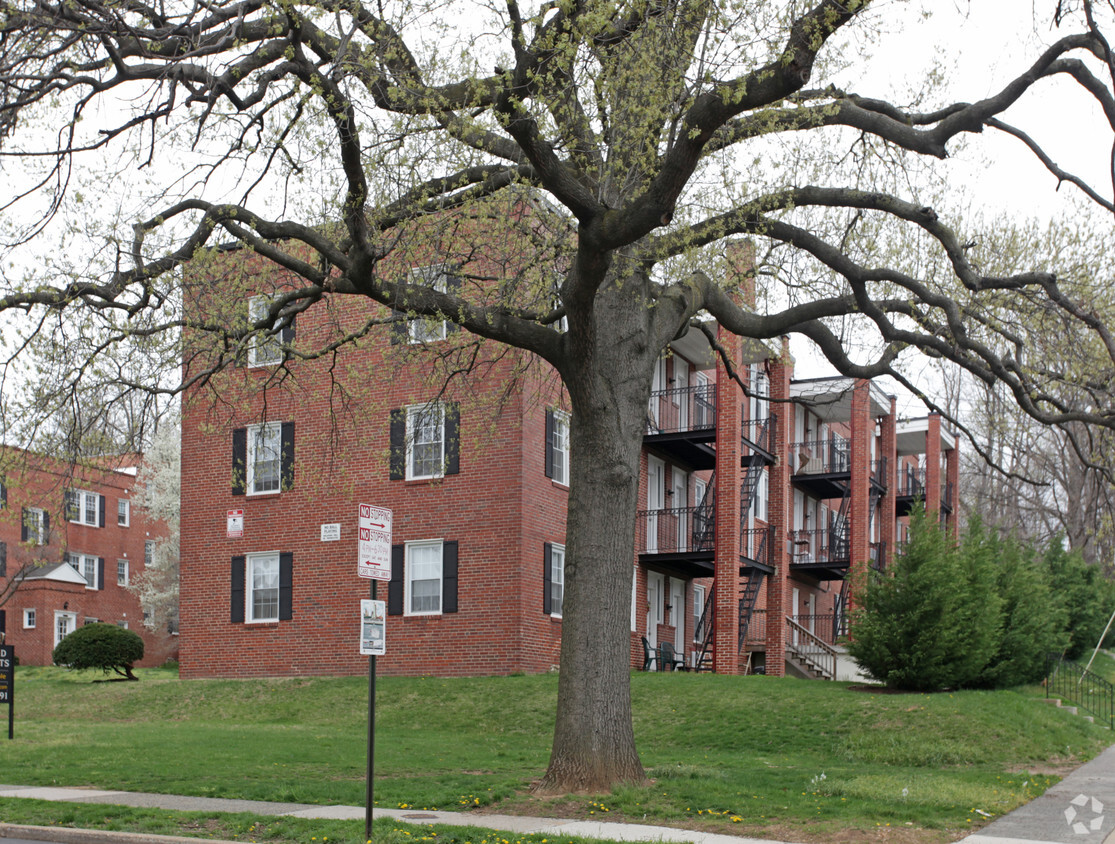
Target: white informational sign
<point>373,623</point>
<point>235,523</point>
<point>374,544</point>
<point>330,533</point>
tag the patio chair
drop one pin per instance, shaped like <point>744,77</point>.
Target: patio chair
<point>669,659</point>
<point>649,656</point>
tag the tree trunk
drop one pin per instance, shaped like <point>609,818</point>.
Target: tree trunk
<point>609,385</point>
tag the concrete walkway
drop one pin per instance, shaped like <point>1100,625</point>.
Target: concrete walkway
<point>1078,810</point>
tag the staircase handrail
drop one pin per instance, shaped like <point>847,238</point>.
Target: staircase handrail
<point>811,649</point>
<point>1075,683</point>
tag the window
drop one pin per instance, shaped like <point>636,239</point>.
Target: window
<point>553,579</point>
<point>28,619</point>
<point>423,578</point>
<point>35,526</point>
<point>425,441</point>
<point>85,508</point>
<point>3,559</point>
<point>123,624</point>
<point>557,446</point>
<point>266,349</point>
<point>262,587</point>
<point>263,458</point>
<point>90,620</point>
<point>89,567</point>
<point>123,512</point>
<point>148,553</point>
<point>121,572</point>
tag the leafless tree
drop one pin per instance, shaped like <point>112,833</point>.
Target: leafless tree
<point>314,132</point>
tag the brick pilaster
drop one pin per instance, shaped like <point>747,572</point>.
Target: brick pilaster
<point>888,450</point>
<point>729,417</point>
<point>933,466</point>
<point>779,510</point>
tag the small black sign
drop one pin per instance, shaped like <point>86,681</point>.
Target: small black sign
<point>7,673</point>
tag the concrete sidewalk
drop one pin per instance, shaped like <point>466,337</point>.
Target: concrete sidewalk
<point>1078,810</point>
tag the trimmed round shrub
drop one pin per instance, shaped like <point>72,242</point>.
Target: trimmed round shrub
<point>103,646</point>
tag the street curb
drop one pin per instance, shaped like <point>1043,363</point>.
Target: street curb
<point>72,835</point>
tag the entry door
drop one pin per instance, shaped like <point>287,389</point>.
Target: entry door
<point>657,394</point>
<point>680,506</point>
<point>677,614</point>
<point>702,401</point>
<point>656,499</point>
<point>656,594</point>
<point>64,624</point>
<point>681,392</point>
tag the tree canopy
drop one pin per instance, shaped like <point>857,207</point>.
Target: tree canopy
<point>317,133</point>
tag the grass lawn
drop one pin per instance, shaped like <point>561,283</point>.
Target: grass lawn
<point>776,758</point>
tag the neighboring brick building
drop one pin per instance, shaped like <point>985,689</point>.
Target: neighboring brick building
<point>757,507</point>
<point>71,540</point>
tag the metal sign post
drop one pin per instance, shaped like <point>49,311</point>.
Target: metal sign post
<point>373,562</point>
<point>7,684</point>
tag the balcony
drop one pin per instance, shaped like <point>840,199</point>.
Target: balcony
<point>756,438</point>
<point>678,540</point>
<point>682,423</point>
<point>823,554</point>
<point>755,549</point>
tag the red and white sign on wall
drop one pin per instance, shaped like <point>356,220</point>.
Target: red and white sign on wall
<point>374,545</point>
<point>235,523</point>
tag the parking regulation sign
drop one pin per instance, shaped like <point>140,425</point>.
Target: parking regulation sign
<point>374,545</point>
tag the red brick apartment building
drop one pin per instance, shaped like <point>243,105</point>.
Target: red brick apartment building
<point>70,542</point>
<point>757,508</point>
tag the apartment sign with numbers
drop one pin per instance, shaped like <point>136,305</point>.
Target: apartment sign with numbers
<point>374,544</point>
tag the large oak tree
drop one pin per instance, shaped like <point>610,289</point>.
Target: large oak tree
<point>311,131</point>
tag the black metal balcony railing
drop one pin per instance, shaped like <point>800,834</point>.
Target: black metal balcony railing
<point>757,432</point>
<point>821,457</point>
<point>879,470</point>
<point>756,545</point>
<point>677,530</point>
<point>879,556</point>
<point>910,481</point>
<point>827,545</point>
<point>682,409</point>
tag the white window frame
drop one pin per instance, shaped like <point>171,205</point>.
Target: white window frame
<point>260,436</point>
<point>85,565</point>
<point>265,565</point>
<point>429,329</point>
<point>557,579</point>
<point>122,572</point>
<point>123,512</point>
<point>415,413</point>
<point>86,507</point>
<point>29,619</point>
<point>412,565</point>
<point>561,453</point>
<point>148,553</point>
<point>123,624</point>
<point>699,598</point>
<point>36,527</point>
<point>263,349</point>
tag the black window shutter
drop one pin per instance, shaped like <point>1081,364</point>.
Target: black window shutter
<point>397,462</point>
<point>547,573</point>
<point>400,331</point>
<point>287,334</point>
<point>453,288</point>
<point>287,455</point>
<point>549,445</point>
<point>100,511</point>
<point>3,559</point>
<point>69,505</point>
<point>449,576</point>
<point>23,532</point>
<point>3,620</point>
<point>46,528</point>
<point>100,573</point>
<point>3,494</point>
<point>286,586</point>
<point>237,591</point>
<point>395,586</point>
<point>452,438</point>
<point>239,461</point>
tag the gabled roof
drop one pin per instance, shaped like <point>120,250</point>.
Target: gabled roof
<point>60,572</point>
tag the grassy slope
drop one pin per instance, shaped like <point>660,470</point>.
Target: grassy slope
<point>745,754</point>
